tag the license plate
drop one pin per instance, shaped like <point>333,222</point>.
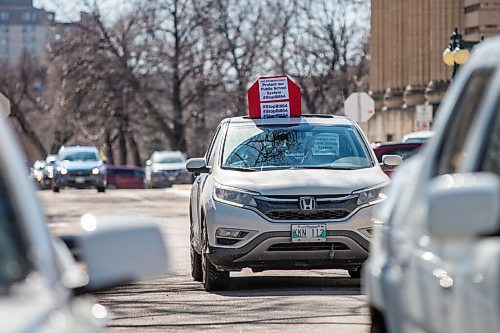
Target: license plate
<point>308,233</point>
<point>80,180</point>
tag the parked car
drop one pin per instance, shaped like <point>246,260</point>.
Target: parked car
<point>42,289</point>
<point>418,137</point>
<point>38,168</point>
<point>79,167</point>
<point>283,193</point>
<point>124,177</point>
<point>165,168</point>
<point>404,150</point>
<point>435,260</point>
<point>48,171</point>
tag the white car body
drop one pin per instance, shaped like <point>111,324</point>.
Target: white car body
<point>43,299</point>
<point>277,193</point>
<point>435,259</point>
<point>165,168</point>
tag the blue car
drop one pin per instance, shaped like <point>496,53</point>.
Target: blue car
<point>79,167</point>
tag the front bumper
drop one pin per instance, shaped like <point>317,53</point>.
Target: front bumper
<point>270,245</point>
<point>80,181</point>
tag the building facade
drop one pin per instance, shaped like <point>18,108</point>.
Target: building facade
<point>24,29</point>
<point>408,38</point>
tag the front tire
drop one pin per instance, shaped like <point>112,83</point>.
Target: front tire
<point>378,321</point>
<point>213,279</point>
<point>101,189</point>
<point>196,266</point>
<point>55,189</point>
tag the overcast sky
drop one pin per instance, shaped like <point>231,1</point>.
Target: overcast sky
<point>70,10</point>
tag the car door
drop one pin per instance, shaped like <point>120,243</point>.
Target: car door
<point>427,273</point>
<point>197,189</point>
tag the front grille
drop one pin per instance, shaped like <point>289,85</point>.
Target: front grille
<point>323,246</point>
<point>286,208</point>
<point>296,215</point>
<point>80,173</point>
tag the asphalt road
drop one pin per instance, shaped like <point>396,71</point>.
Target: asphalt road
<point>271,301</point>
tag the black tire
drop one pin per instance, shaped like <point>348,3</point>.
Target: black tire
<point>377,321</point>
<point>55,189</point>
<point>213,279</point>
<point>101,189</point>
<point>355,273</point>
<point>196,266</point>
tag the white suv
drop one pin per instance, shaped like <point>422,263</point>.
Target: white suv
<point>286,193</point>
<point>435,260</point>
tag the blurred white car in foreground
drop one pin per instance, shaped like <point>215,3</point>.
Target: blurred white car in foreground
<point>41,287</point>
<point>435,260</point>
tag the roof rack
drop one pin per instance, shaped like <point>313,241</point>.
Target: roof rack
<point>303,115</point>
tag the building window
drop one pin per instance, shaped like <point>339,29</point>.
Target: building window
<point>472,30</point>
<point>4,40</point>
<point>26,17</point>
<point>4,16</point>
<point>472,9</point>
<point>50,17</point>
<point>4,51</point>
<point>4,28</point>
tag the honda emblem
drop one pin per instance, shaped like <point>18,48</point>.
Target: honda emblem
<point>307,203</point>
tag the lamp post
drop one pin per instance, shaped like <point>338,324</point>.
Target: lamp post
<point>457,52</point>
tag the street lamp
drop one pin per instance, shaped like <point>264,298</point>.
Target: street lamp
<point>457,52</point>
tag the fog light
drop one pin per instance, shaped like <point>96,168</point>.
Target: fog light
<point>231,233</point>
<point>367,232</point>
<point>64,171</point>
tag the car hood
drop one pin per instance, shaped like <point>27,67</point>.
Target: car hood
<point>81,165</point>
<point>302,181</point>
<point>169,166</point>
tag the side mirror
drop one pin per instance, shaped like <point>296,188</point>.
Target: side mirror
<point>197,165</point>
<point>149,162</point>
<point>464,205</point>
<point>118,253</point>
<point>391,161</point>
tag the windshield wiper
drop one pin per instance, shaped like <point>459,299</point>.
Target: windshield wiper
<point>240,169</point>
<point>325,167</point>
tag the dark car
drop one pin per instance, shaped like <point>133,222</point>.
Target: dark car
<point>122,176</point>
<point>404,150</point>
<point>79,167</point>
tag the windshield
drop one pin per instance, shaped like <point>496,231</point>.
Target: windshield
<point>14,263</point>
<point>169,159</point>
<point>296,147</point>
<point>80,156</point>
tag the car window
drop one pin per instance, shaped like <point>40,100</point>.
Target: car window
<point>491,159</point>
<point>212,149</point>
<point>14,262</point>
<point>83,156</point>
<point>298,146</point>
<point>169,159</point>
<point>451,152</point>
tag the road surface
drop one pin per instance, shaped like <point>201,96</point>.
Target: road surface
<point>271,301</point>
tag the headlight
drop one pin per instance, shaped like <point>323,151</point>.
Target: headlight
<point>96,171</point>
<point>234,197</point>
<point>370,196</point>
<point>63,171</point>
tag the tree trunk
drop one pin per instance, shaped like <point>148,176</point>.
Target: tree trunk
<point>135,151</point>
<point>16,113</point>
<point>122,142</point>
<point>109,149</point>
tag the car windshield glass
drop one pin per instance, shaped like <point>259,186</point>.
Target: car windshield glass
<point>301,146</point>
<point>168,159</point>
<point>79,156</point>
<point>14,263</point>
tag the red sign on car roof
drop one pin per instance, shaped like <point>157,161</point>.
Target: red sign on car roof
<point>274,97</point>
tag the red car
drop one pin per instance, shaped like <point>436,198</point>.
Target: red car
<point>404,150</point>
<point>126,177</point>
